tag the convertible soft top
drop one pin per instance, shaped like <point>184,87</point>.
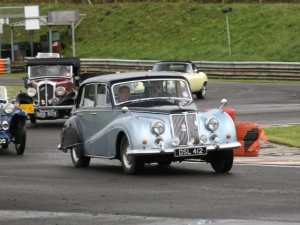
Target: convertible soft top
<point>52,61</point>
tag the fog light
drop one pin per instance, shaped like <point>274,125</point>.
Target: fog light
<point>203,139</point>
<point>5,125</point>
<point>55,101</point>
<point>36,102</point>
<point>214,137</point>
<point>175,141</point>
<point>157,140</point>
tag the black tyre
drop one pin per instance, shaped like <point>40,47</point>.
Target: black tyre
<point>131,164</point>
<point>20,137</point>
<point>164,163</point>
<point>32,118</point>
<point>202,93</point>
<point>222,161</point>
<point>79,161</point>
<point>5,146</point>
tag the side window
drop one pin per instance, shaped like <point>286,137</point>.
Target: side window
<point>103,98</point>
<point>88,96</point>
<point>195,69</point>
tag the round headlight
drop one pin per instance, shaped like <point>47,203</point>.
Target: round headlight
<point>175,141</point>
<point>60,91</point>
<point>8,108</point>
<point>213,124</point>
<point>214,137</point>
<point>158,127</point>
<point>31,92</point>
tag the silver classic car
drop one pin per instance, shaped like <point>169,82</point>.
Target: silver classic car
<point>146,117</point>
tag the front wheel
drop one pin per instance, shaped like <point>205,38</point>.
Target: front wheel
<point>20,137</point>
<point>202,93</point>
<point>131,164</point>
<point>5,146</point>
<point>32,118</point>
<point>79,161</point>
<point>222,161</point>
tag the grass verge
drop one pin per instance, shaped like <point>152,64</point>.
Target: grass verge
<point>287,135</point>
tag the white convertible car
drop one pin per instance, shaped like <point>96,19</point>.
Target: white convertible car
<point>197,80</point>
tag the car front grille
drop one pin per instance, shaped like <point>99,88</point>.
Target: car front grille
<point>185,127</point>
<point>46,93</point>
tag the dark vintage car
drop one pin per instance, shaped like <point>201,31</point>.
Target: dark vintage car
<point>197,79</point>
<point>50,87</point>
<point>12,124</point>
<point>146,117</point>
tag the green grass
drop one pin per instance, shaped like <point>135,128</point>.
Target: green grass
<point>178,31</point>
<point>287,135</point>
<point>12,91</point>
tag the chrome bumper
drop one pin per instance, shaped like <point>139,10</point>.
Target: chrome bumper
<point>54,107</point>
<point>161,151</point>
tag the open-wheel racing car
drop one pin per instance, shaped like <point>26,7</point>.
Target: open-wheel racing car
<point>12,124</point>
<point>146,117</point>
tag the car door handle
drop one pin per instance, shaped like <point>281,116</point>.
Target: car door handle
<point>94,113</point>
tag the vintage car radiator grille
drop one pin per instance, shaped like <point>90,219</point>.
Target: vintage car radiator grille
<point>185,127</point>
<point>46,93</point>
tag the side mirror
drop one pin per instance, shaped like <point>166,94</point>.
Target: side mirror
<point>125,109</point>
<point>223,102</point>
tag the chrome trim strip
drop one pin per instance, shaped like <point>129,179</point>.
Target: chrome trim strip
<point>54,107</point>
<point>157,151</point>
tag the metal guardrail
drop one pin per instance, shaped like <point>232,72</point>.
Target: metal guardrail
<point>5,66</point>
<point>228,70</point>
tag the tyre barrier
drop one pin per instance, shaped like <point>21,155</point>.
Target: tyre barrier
<point>249,135</point>
<point>5,66</point>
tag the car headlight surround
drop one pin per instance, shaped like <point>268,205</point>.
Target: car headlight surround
<point>31,92</point>
<point>175,141</point>
<point>60,91</point>
<point>212,124</point>
<point>203,139</point>
<point>214,137</point>
<point>5,125</point>
<point>8,108</point>
<point>158,127</point>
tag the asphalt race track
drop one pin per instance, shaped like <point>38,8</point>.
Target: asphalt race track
<point>253,102</point>
<point>43,186</point>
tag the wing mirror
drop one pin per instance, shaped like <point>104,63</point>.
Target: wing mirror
<point>223,103</point>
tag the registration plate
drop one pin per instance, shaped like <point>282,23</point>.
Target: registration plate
<point>3,141</point>
<point>190,152</point>
<point>29,108</point>
<point>47,113</point>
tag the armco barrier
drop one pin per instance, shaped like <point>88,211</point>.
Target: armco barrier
<point>226,70</point>
<point>5,66</point>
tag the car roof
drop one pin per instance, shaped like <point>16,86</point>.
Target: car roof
<point>54,61</point>
<point>120,77</point>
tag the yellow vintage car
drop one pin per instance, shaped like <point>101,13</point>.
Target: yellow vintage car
<point>197,80</point>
